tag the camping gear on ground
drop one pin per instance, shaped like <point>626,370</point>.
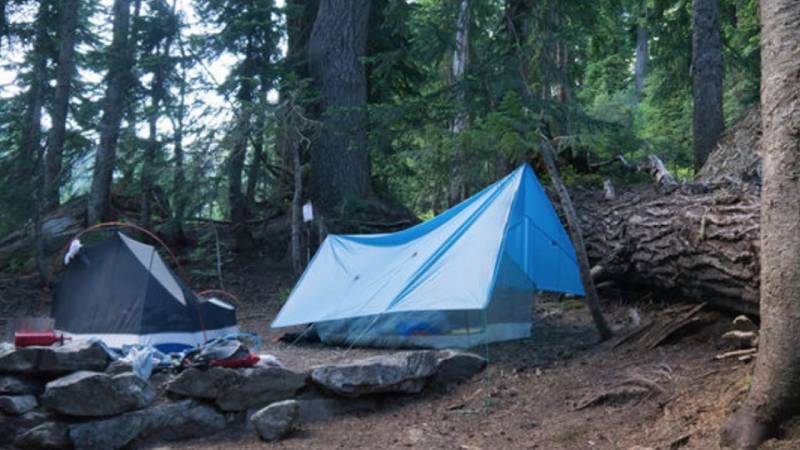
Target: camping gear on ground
<point>122,292</point>
<point>35,331</point>
<point>228,351</point>
<point>144,359</point>
<point>463,278</point>
<point>28,338</point>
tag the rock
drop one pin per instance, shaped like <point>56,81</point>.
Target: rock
<point>238,389</point>
<point>16,385</point>
<point>402,372</point>
<point>321,408</point>
<point>199,383</point>
<point>95,394</point>
<point>167,422</point>
<point>17,405</point>
<point>276,420</point>
<point>259,386</point>
<point>117,367</point>
<point>12,426</point>
<point>49,435</point>
<point>452,365</point>
<point>70,357</point>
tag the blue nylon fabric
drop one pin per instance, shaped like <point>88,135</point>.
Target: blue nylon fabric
<point>448,263</point>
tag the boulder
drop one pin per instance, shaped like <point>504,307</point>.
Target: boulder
<point>452,365</point>
<point>70,357</point>
<point>46,436</point>
<point>17,405</point>
<point>16,385</point>
<point>321,408</point>
<point>166,422</point>
<point>12,426</point>
<point>96,394</point>
<point>238,389</point>
<point>276,420</point>
<point>260,386</point>
<point>117,367</point>
<point>401,372</point>
<point>206,384</point>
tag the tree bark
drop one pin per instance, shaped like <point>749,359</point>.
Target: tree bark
<point>642,52</point>
<point>30,139</point>
<point>179,178</point>
<point>340,157</point>
<point>297,217</point>
<point>60,108</point>
<point>702,247</point>
<point>238,154</point>
<point>118,79</point>
<point>3,21</point>
<point>576,233</point>
<point>775,393</point>
<point>517,28</point>
<point>259,145</point>
<point>157,93</point>
<point>458,68</point>
<point>708,122</point>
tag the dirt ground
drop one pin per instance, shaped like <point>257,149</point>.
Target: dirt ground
<point>533,395</point>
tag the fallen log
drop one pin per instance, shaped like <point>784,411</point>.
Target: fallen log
<point>701,246</point>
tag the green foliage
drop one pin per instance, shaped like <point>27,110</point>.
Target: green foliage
<point>562,68</point>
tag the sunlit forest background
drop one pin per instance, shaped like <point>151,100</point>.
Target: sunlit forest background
<point>216,98</point>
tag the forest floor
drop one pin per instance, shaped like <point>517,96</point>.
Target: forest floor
<point>533,394</point>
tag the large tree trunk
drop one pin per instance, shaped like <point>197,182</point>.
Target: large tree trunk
<point>157,92</point>
<point>3,21</point>
<point>340,157</point>
<point>179,194</point>
<point>30,138</point>
<point>59,110</point>
<point>517,28</point>
<point>708,122</point>
<point>259,150</point>
<point>238,154</point>
<point>775,392</point>
<point>458,68</point>
<point>700,246</point>
<point>642,52</point>
<point>118,82</point>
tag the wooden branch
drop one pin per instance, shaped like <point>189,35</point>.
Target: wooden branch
<point>617,159</point>
<point>665,182</point>
<point>575,232</point>
<point>736,354</point>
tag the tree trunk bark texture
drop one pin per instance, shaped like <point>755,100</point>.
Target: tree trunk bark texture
<point>58,114</point>
<point>238,154</point>
<point>458,68</point>
<point>708,122</point>
<point>703,246</point>
<point>340,157</point>
<point>149,173</point>
<point>118,81</point>
<point>642,52</point>
<point>775,392</point>
<point>31,135</point>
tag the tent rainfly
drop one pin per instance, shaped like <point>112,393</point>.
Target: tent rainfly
<point>121,292</point>
<point>463,278</point>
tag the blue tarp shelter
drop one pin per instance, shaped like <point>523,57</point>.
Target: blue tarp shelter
<point>463,278</point>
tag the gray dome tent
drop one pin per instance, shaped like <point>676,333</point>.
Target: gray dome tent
<point>121,292</point>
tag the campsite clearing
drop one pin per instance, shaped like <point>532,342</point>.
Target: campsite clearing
<point>529,397</point>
